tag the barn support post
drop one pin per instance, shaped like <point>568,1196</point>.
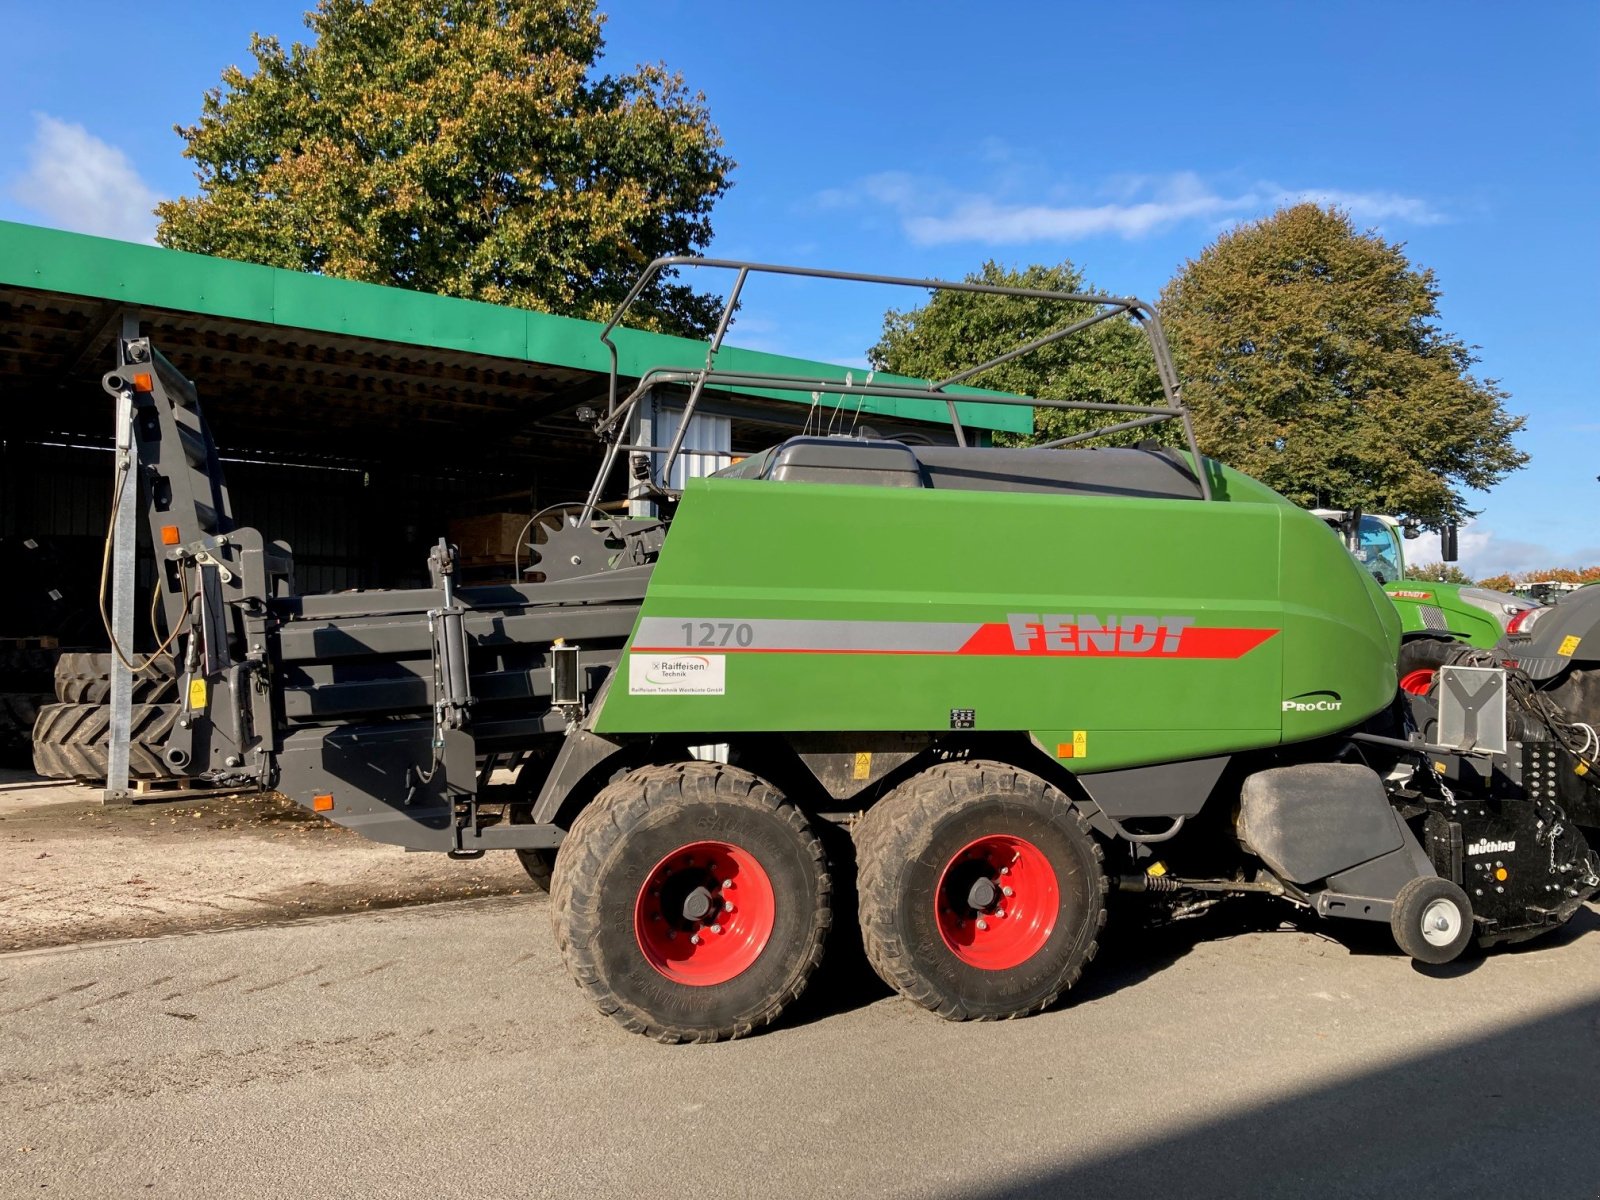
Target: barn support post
<point>124,554</point>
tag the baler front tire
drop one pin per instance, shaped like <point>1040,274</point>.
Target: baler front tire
<point>1432,920</point>
<point>964,832</point>
<point>642,884</point>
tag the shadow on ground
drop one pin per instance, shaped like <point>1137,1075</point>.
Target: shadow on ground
<point>1513,1114</point>
<point>1133,949</point>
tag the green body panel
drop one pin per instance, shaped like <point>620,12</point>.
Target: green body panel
<point>895,578</point>
<point>1459,619</point>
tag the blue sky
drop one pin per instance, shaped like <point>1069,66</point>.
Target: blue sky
<point>923,138</point>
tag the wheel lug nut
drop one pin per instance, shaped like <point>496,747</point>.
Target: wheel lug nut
<point>727,906</point>
<point>727,883</point>
<point>1007,891</point>
<point>1005,870</point>
<point>1000,913</point>
<point>715,928</point>
<point>694,939</point>
<point>982,924</point>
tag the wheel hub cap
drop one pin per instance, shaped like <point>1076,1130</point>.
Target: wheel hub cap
<point>1441,922</point>
<point>704,913</point>
<point>997,902</point>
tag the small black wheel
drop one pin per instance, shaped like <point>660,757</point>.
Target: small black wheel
<point>981,891</point>
<point>691,902</point>
<point>1432,920</point>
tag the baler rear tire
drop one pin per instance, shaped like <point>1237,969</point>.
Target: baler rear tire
<point>922,840</point>
<point>609,916</point>
<point>540,866</point>
<point>72,741</point>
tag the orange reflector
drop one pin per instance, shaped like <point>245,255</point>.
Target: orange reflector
<point>1500,874</point>
<point>1064,750</point>
<point>321,803</point>
<point>143,383</point>
<point>169,535</point>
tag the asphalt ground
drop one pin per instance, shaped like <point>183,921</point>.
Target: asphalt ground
<point>441,1051</point>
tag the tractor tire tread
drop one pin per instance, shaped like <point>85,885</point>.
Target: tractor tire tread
<point>71,741</point>
<point>601,826</point>
<point>886,835</point>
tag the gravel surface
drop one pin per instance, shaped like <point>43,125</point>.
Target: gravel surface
<point>72,869</point>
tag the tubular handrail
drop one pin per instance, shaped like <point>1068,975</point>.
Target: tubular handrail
<point>620,412</point>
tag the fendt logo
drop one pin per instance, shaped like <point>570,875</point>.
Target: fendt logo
<point>1091,635</point>
<point>1066,634</point>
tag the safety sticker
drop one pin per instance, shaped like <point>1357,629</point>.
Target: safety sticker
<point>677,674</point>
<point>863,765</point>
<point>1569,646</point>
<point>1078,747</point>
<point>197,695</point>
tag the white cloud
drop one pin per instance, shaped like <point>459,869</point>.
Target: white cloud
<point>1485,553</point>
<point>932,213</point>
<point>73,180</point>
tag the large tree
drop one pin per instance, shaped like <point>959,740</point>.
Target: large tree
<point>467,147</point>
<point>1108,363</point>
<point>1312,358</point>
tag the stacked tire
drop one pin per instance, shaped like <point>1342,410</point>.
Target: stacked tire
<point>71,737</point>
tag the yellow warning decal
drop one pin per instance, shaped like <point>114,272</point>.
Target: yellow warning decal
<point>197,695</point>
<point>1076,748</point>
<point>863,767</point>
<point>1569,646</point>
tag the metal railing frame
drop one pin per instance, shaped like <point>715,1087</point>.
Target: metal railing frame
<point>619,412</point>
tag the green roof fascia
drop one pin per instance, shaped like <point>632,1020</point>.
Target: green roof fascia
<point>52,260</point>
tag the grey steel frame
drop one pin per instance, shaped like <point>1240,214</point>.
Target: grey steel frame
<point>620,412</point>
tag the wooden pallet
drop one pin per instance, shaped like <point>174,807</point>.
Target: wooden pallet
<point>142,790</point>
<point>30,643</point>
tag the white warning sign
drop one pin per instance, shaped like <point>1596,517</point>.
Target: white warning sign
<point>677,674</point>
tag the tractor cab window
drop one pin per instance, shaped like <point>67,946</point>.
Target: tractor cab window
<point>1378,550</point>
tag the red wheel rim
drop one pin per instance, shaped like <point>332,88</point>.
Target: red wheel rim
<point>704,914</point>
<point>1418,682</point>
<point>997,901</point>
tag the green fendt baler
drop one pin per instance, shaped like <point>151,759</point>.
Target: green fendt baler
<point>1194,629</point>
<point>976,688</point>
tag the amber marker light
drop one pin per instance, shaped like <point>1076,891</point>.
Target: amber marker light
<point>143,383</point>
<point>322,803</point>
<point>169,535</point>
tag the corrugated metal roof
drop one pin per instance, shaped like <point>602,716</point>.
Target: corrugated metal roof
<point>149,277</point>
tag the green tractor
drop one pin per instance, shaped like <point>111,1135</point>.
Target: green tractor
<point>972,689</point>
<point>1428,608</point>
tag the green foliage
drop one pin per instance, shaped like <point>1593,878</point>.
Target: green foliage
<point>1108,363</point>
<point>457,146</point>
<point>1438,572</point>
<point>1312,360</point>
